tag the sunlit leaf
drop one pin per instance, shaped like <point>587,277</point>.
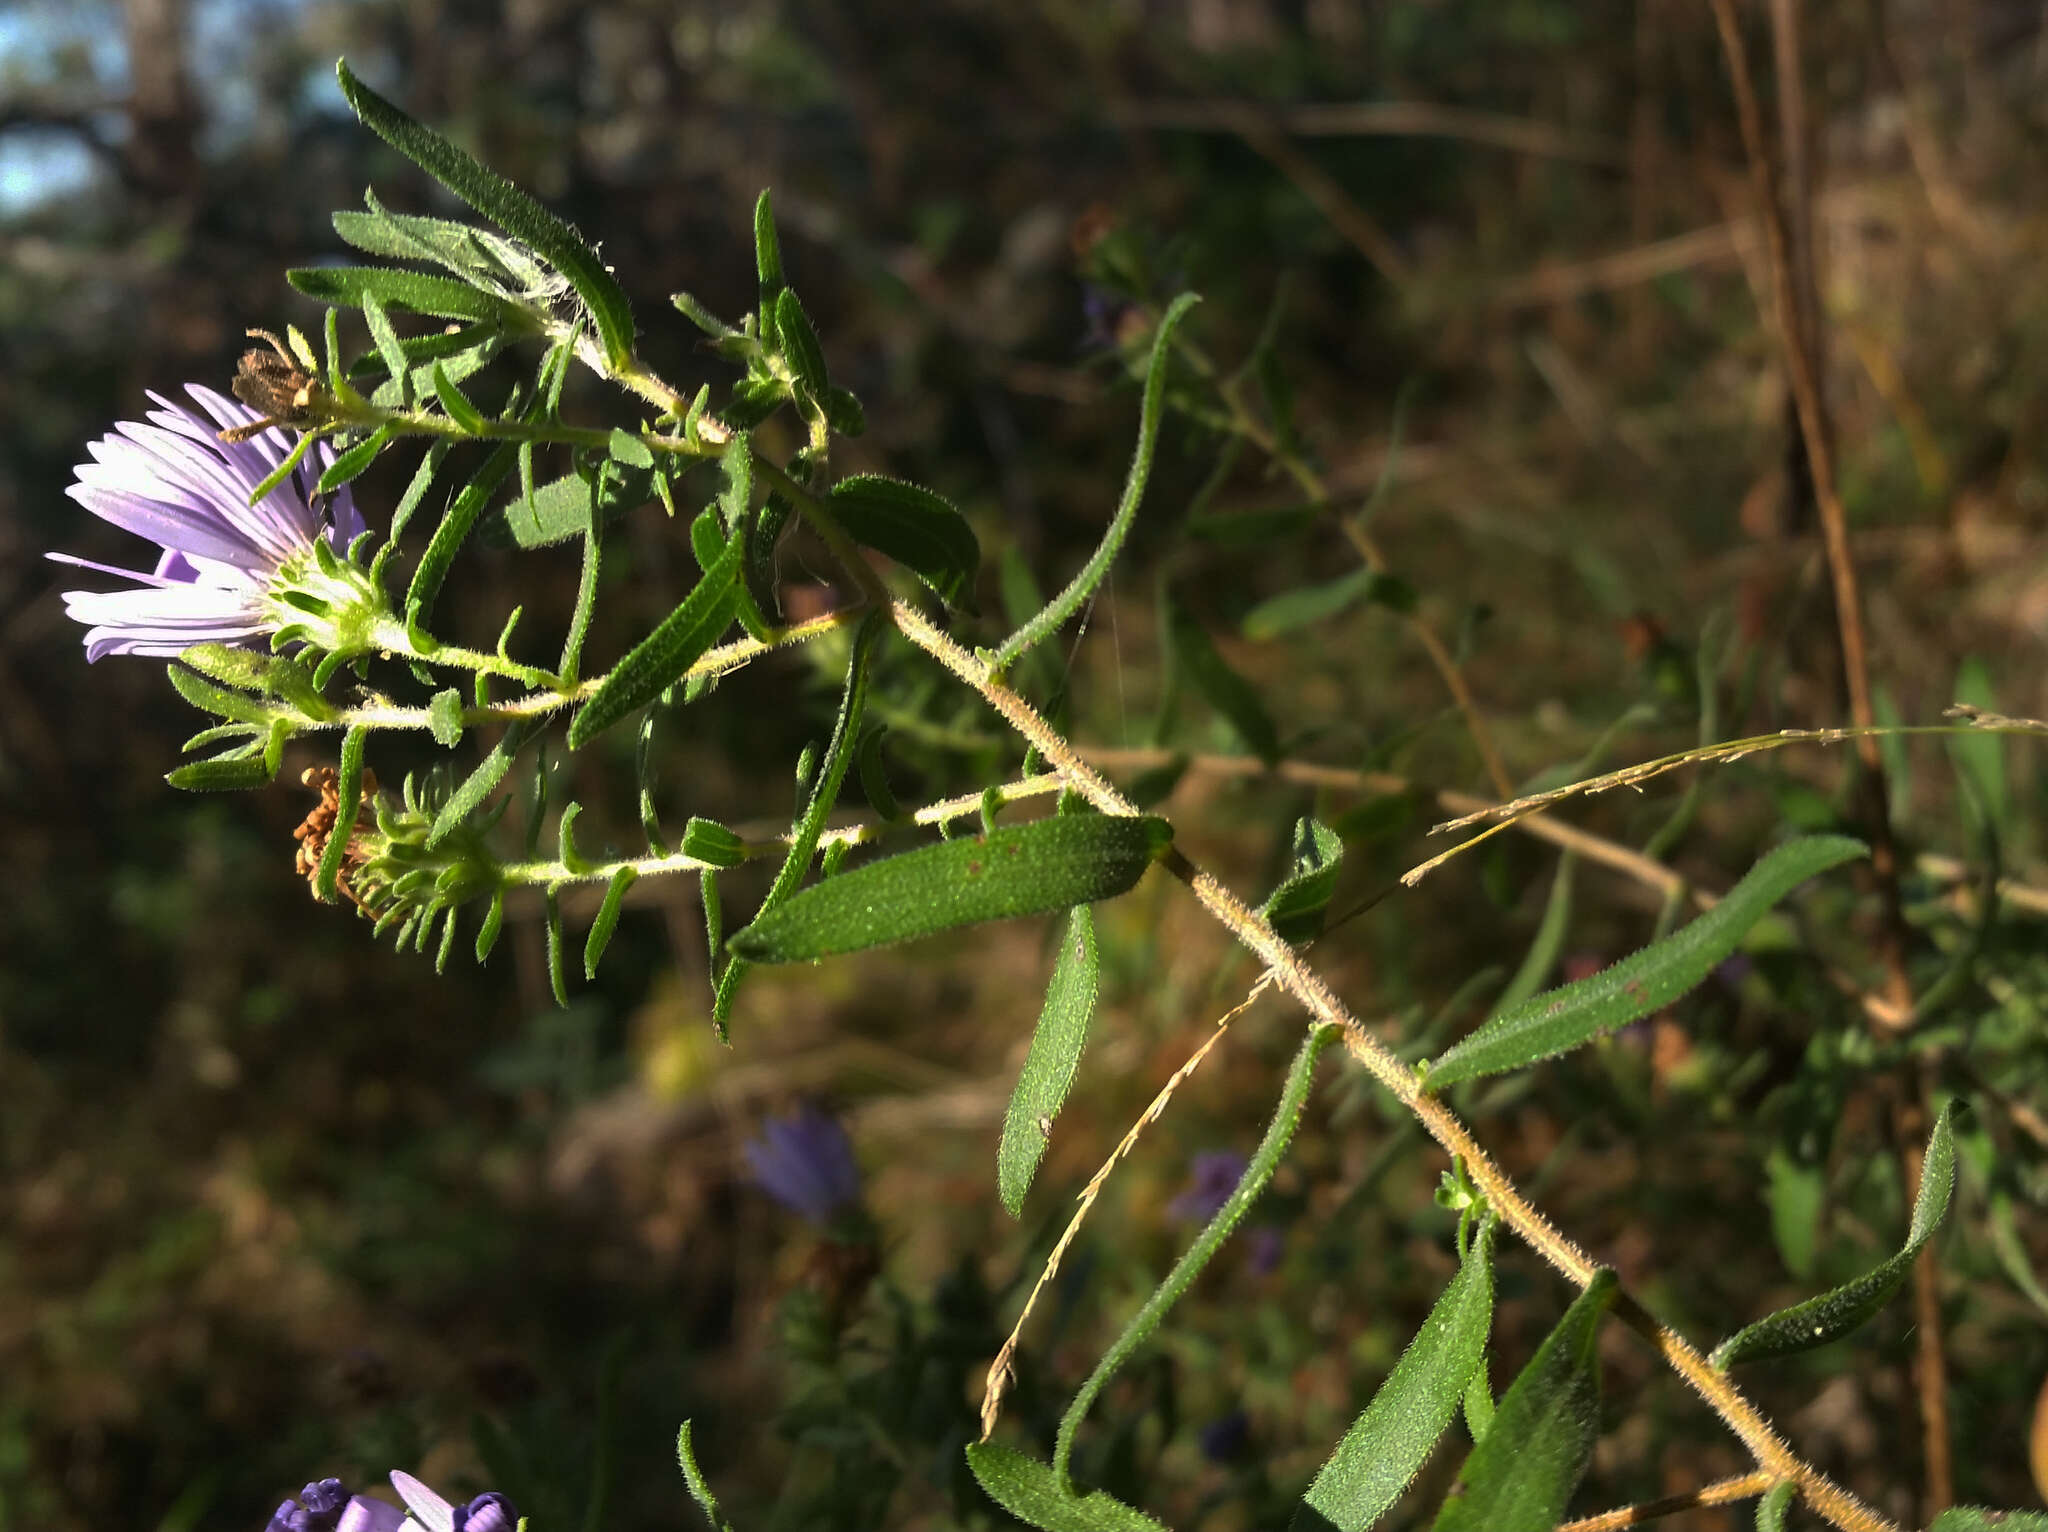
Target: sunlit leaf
<point>1562,1019</point>
<point>1055,1056</point>
<point>658,661</point>
<point>1031,869</point>
<point>560,508</point>
<point>1771,1510</point>
<point>1975,1518</point>
<point>419,291</point>
<point>1031,1492</point>
<point>915,526</point>
<point>1296,908</point>
<point>1521,1476</point>
<point>1387,1445</point>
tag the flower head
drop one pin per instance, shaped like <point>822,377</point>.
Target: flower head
<point>230,572</point>
<point>327,1506</point>
<point>805,1162</point>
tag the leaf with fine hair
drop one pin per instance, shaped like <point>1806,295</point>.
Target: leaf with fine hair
<point>482,781</point>
<point>1030,1491</point>
<point>1030,869</point>
<point>915,526</point>
<point>1296,908</point>
<point>659,660</point>
<point>1562,1019</point>
<point>1387,1445</point>
<point>560,508</point>
<point>505,205</point>
<point>1836,1313</point>
<point>348,797</point>
<point>1770,1511</point>
<point>1083,585</point>
<point>454,527</point>
<point>1257,1172</point>
<point>1521,1476</point>
<point>419,291</point>
<point>767,252</point>
<point>1055,1057</point>
<point>1975,1518</point>
<point>800,345</point>
<point>699,1486</point>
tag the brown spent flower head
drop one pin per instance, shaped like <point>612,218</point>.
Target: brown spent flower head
<point>276,383</point>
<point>317,829</point>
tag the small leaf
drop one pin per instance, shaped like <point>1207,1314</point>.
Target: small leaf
<point>388,345</point>
<point>736,491</point>
<point>348,798</point>
<point>1387,1445</point>
<point>418,291</point>
<point>1031,1492</point>
<point>629,449</point>
<point>1794,1190</point>
<point>607,919</point>
<point>699,1486</point>
<point>843,412</point>
<point>454,528</point>
<point>800,346</point>
<point>1562,1019</point>
<point>658,661</point>
<point>505,205</point>
<point>1520,1478</point>
<point>1220,686</point>
<point>915,526</point>
<point>767,252</point>
<point>1031,869</point>
<point>1083,585</point>
<point>237,706</point>
<point>481,782</point>
<point>560,508</point>
<point>1975,1518</point>
<point>444,718</point>
<point>1296,908</point>
<point>1055,1056</point>
<point>457,404</point>
<point>352,462</point>
<point>1770,1511</point>
<point>1319,603</point>
<point>1836,1313</point>
<point>709,841</point>
<point>221,774</point>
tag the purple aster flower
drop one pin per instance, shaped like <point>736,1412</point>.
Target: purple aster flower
<point>230,572</point>
<point>327,1506</point>
<point>490,1512</point>
<point>1224,1437</point>
<point>805,1162</point>
<point>1212,1177</point>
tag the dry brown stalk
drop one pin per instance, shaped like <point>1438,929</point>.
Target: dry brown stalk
<point>1721,1492</point>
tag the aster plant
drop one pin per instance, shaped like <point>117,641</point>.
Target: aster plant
<point>279,604</point>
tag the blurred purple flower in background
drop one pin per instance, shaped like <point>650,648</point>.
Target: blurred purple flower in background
<point>1213,1175</point>
<point>225,563</point>
<point>327,1506</point>
<point>805,1162</point>
<point>1224,1437</point>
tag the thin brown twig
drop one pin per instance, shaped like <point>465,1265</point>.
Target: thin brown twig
<point>1800,341</point>
<point>1000,1371</point>
<point>1722,1492</point>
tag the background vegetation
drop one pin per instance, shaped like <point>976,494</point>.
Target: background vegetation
<point>276,1203</point>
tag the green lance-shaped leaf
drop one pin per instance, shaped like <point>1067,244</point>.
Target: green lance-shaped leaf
<point>238,706</point>
<point>1083,585</point>
<point>1296,908</point>
<point>389,347</point>
<point>818,792</point>
<point>560,508</point>
<point>767,252</point>
<point>348,465</point>
<point>505,205</point>
<point>1975,1518</point>
<point>1770,1511</point>
<point>444,718</point>
<point>420,292</point>
<point>736,481</point>
<point>482,781</point>
<point>1836,1313</point>
<point>1319,603</point>
<point>800,347</point>
<point>658,661</point>
<point>1055,1056</point>
<point>1030,1491</point>
<point>1521,1476</point>
<point>457,404</point>
<point>915,526</point>
<point>1030,869</point>
<point>1562,1019</point>
<point>1387,1445</point>
<point>1264,1161</point>
<point>454,529</point>
<point>607,919</point>
<point>1195,657</point>
<point>699,1486</point>
<point>231,773</point>
<point>348,797</point>
<point>711,842</point>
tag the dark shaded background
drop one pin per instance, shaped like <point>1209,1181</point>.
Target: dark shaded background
<point>275,1202</point>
